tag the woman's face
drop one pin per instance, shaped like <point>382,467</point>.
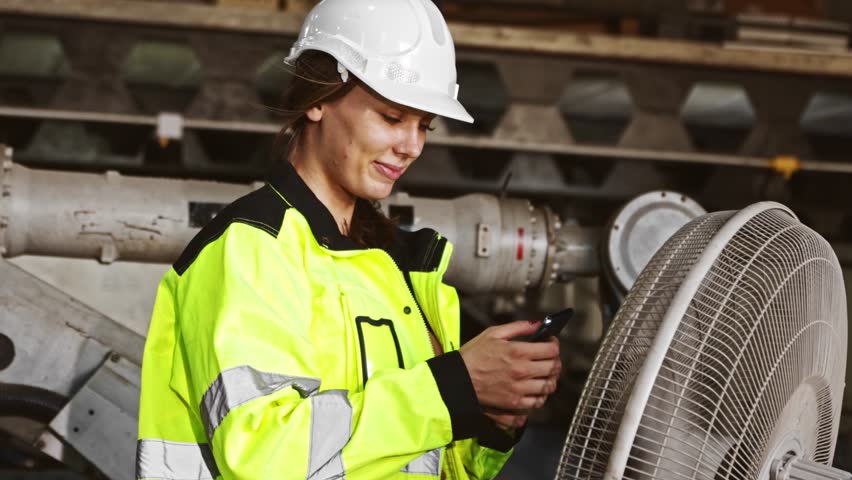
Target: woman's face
<point>365,143</point>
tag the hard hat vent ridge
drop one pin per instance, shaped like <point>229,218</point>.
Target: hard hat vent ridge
<point>338,49</point>
<point>436,21</point>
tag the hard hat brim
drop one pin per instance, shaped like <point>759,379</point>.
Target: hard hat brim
<point>430,101</point>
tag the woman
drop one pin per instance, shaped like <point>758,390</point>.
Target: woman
<point>301,334</point>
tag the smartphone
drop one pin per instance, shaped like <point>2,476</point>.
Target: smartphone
<point>550,326</point>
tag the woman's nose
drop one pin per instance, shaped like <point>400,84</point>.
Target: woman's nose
<point>411,142</point>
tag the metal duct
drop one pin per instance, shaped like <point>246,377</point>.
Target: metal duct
<point>501,245</point>
<point>105,216</point>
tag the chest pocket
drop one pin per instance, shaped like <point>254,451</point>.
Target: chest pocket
<point>381,343</point>
<point>379,346</point>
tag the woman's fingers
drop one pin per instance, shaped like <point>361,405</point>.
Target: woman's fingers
<point>506,420</point>
<point>547,350</point>
<point>504,372</point>
<point>537,387</point>
<point>545,368</point>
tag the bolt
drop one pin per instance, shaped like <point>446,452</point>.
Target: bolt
<point>556,266</point>
<point>532,219</point>
<point>557,225</point>
<point>108,253</point>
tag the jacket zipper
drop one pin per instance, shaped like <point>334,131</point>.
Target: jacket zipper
<point>429,331</point>
<point>451,462</point>
<point>430,251</point>
<point>449,452</point>
<point>410,288</point>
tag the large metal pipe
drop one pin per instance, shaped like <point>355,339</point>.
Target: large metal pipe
<point>501,245</point>
<point>105,216</point>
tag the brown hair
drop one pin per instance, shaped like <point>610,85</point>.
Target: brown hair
<point>316,79</point>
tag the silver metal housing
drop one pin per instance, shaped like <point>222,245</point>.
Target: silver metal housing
<point>640,228</point>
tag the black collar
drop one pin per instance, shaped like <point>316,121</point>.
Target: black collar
<point>289,184</point>
<point>412,251</point>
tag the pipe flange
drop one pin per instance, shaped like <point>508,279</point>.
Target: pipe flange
<point>539,248</point>
<point>551,267</point>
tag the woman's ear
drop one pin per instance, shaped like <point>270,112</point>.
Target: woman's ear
<point>314,114</point>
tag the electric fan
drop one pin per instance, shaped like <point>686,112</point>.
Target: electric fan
<point>726,359</point>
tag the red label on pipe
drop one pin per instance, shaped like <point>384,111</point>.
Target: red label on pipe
<point>520,244</point>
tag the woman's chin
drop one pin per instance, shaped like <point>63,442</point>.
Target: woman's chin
<point>377,191</point>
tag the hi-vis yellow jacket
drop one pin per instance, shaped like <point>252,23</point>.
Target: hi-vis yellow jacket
<point>279,349</point>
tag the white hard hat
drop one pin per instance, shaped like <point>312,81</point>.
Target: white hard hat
<point>402,49</point>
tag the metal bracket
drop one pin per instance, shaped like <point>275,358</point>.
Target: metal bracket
<point>100,421</point>
<point>169,127</point>
<point>483,240</point>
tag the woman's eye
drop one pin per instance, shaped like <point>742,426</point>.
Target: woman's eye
<point>427,128</point>
<point>391,119</point>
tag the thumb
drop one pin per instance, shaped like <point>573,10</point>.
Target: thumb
<point>516,329</point>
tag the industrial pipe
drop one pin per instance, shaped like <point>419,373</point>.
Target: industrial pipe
<point>501,245</point>
<point>105,216</point>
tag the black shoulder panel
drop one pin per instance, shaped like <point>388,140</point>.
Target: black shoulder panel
<point>418,251</point>
<point>262,209</point>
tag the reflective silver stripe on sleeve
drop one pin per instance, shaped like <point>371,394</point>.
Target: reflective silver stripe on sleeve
<point>239,385</point>
<point>427,464</point>
<point>165,460</point>
<point>331,428</point>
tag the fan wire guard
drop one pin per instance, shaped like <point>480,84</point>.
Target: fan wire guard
<point>754,369</point>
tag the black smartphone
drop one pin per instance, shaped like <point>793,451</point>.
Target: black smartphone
<point>550,326</point>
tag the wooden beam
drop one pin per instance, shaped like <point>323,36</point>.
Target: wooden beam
<point>162,13</point>
<point>466,35</point>
<point>530,16</point>
<point>651,50</point>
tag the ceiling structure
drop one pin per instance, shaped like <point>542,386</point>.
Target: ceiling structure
<point>758,108</point>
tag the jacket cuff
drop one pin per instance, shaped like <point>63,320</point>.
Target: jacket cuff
<point>493,437</point>
<point>458,394</point>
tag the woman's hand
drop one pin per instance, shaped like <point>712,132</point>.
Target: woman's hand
<point>511,377</point>
<point>506,420</point>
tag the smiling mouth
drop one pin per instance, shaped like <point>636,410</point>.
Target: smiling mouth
<point>389,171</point>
